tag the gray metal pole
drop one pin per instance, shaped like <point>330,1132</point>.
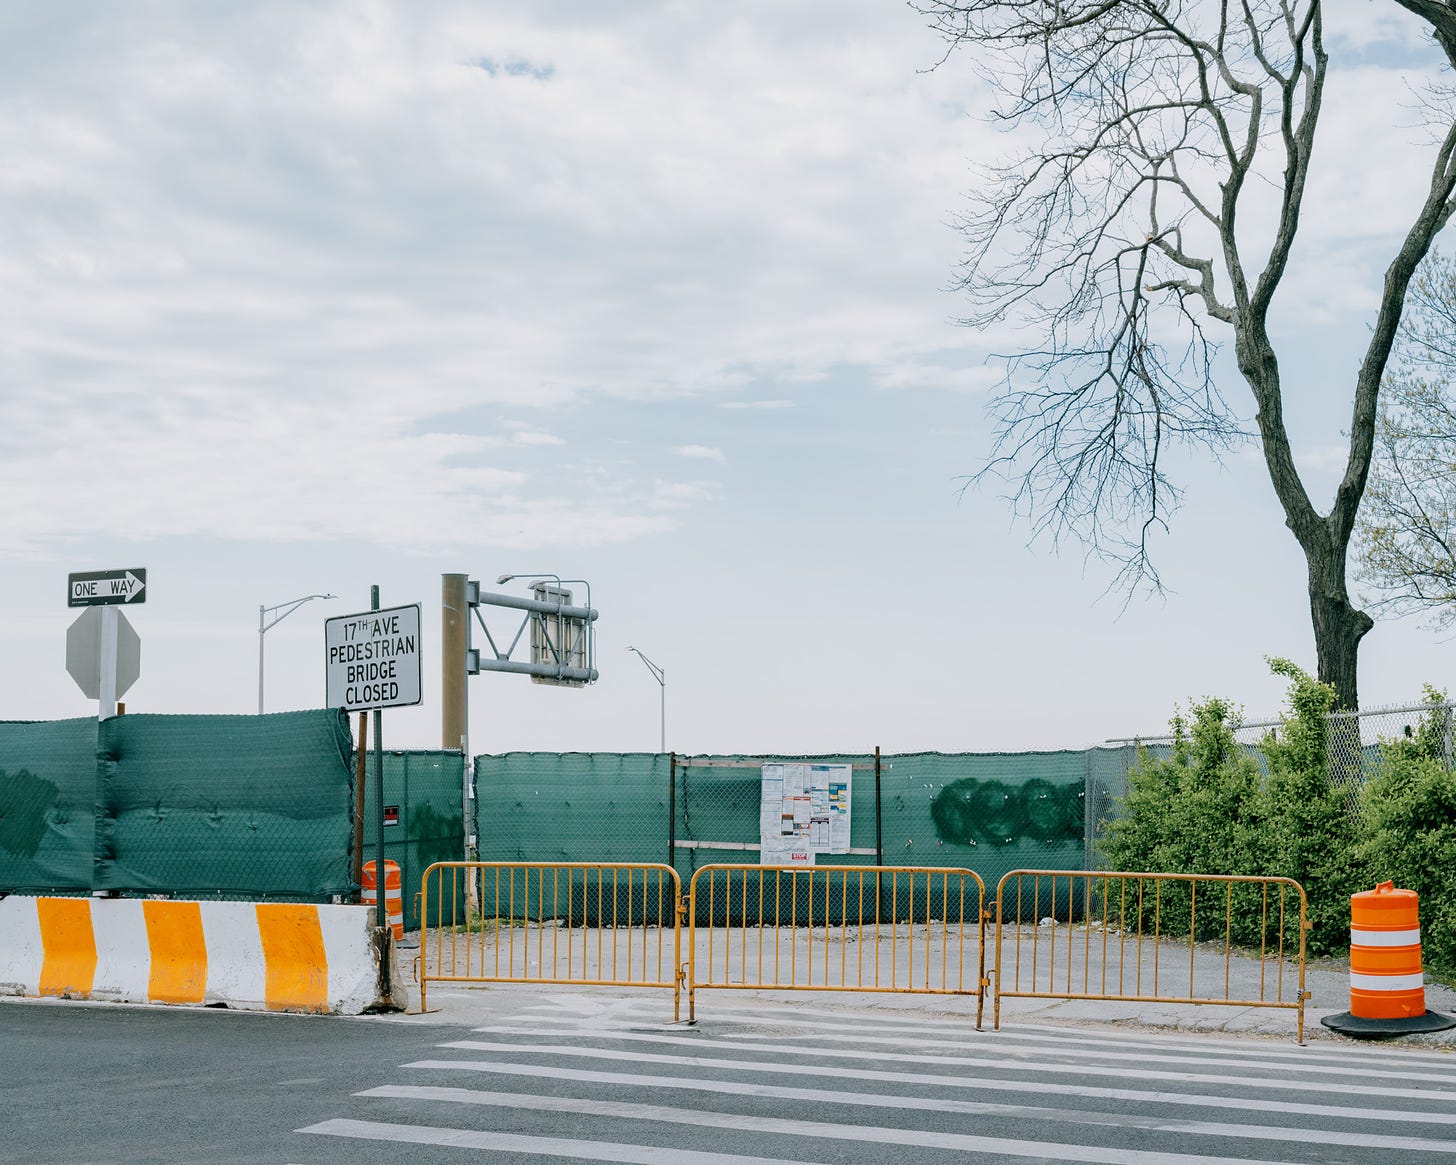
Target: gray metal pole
<point>264,626</point>
<point>381,917</point>
<point>106,705</point>
<point>261,630</point>
<point>454,637</point>
<point>660,675</point>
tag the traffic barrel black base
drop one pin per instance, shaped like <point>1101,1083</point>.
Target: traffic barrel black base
<point>1376,1029</point>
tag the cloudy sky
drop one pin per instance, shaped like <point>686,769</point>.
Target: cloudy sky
<point>304,297</point>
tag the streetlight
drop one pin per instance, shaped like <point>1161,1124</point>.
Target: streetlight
<point>660,675</point>
<point>265,624</point>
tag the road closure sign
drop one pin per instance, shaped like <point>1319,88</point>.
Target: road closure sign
<point>373,659</point>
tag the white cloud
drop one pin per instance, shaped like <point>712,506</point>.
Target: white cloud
<point>699,452</point>
<point>917,374</point>
<point>677,495</point>
<point>536,437</point>
<point>261,262</point>
<point>267,254</point>
<point>1329,459</point>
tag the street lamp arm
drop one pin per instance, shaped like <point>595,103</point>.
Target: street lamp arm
<point>265,624</point>
<point>659,674</point>
<point>287,608</point>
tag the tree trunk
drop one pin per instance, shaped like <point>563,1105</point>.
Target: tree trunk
<point>1338,625</point>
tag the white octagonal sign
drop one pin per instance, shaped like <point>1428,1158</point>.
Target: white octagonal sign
<point>83,652</point>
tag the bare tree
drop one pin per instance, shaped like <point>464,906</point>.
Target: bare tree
<point>1406,533</point>
<point>1152,214</point>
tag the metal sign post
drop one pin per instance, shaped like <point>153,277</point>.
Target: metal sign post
<point>372,662</point>
<point>381,918</point>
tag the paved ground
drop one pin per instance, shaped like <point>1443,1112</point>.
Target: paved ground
<point>522,1073</point>
<point>1206,967</point>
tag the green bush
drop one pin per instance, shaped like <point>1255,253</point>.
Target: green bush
<point>1198,811</point>
<point>1309,833</point>
<point>1194,811</point>
<point>1212,808</point>
<point>1409,809</point>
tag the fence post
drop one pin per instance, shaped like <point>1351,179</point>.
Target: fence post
<point>672,809</point>
<point>1089,816</point>
<point>879,833</point>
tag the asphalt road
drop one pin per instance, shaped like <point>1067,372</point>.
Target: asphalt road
<point>106,1083</point>
<point>581,1077</point>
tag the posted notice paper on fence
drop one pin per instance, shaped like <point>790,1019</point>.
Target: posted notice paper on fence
<point>804,811</point>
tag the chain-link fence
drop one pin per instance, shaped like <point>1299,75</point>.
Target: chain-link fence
<point>987,812</point>
<point>424,816</point>
<point>254,807</point>
<point>250,807</point>
<point>47,806</point>
<point>573,807</point>
<point>1353,746</point>
<point>263,807</point>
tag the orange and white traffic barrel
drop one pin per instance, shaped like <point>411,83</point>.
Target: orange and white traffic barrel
<point>393,894</point>
<point>1387,982</point>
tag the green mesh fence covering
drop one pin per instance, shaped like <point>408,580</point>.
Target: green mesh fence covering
<point>252,807</point>
<point>244,806</point>
<point>577,807</point>
<point>987,812</point>
<point>572,807</point>
<point>424,819</point>
<point>47,806</point>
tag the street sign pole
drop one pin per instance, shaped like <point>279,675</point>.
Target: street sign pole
<point>372,662</point>
<point>381,919</point>
<point>106,704</point>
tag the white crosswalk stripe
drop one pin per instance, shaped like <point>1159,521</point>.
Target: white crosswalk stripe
<point>801,1084</point>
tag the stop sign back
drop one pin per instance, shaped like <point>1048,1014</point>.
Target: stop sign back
<point>83,652</point>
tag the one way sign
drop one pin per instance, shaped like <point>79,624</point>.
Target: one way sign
<point>106,588</point>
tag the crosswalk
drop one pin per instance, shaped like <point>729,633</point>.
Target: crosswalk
<point>601,1079</point>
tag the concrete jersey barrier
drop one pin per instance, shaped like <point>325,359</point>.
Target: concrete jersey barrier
<point>255,956</point>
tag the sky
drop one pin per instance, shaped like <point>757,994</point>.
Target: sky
<point>301,298</point>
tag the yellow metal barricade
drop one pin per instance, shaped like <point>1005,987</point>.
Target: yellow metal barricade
<point>837,928</point>
<point>585,923</point>
<point>1144,937</point>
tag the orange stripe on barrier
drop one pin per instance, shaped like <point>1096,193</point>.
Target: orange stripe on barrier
<point>179,952</point>
<point>297,972</point>
<point>1386,960</point>
<point>69,942</point>
<point>393,894</point>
